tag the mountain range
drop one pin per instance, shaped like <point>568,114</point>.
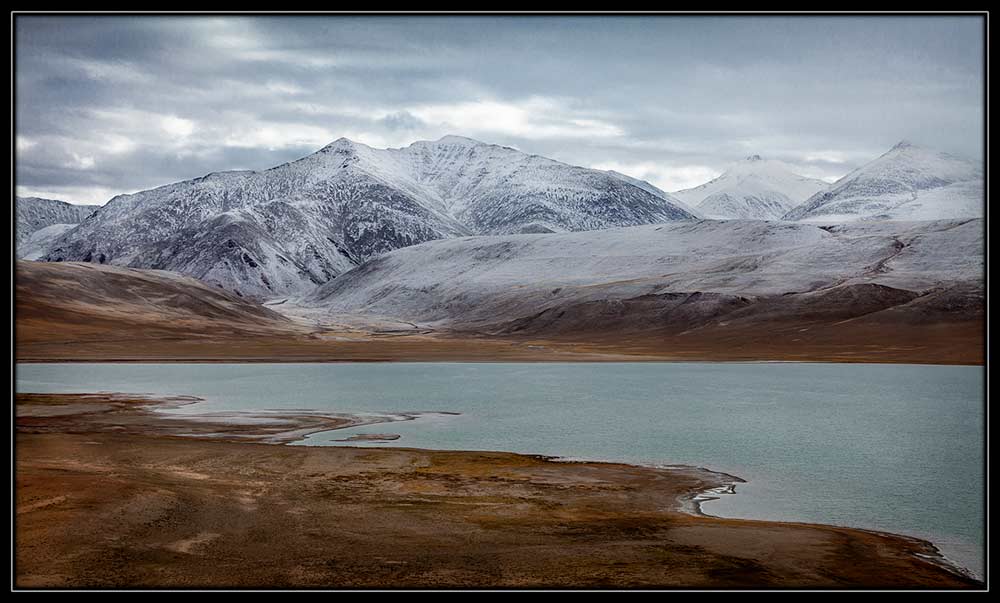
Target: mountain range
<point>289,229</point>
<point>686,290</point>
<point>297,225</point>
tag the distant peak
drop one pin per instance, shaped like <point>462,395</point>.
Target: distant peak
<point>903,144</point>
<point>754,158</point>
<point>341,144</point>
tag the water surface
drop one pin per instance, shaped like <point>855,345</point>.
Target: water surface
<point>887,447</point>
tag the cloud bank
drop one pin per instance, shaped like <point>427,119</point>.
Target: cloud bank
<point>106,105</point>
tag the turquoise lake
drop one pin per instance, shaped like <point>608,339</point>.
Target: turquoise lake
<point>898,448</point>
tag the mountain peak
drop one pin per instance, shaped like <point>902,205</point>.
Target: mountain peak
<point>341,144</point>
<point>907,182</point>
<point>753,188</point>
<point>459,140</point>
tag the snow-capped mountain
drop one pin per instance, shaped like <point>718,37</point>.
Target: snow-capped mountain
<point>297,225</point>
<point>908,182</point>
<point>751,189</point>
<point>36,213</point>
<point>498,190</point>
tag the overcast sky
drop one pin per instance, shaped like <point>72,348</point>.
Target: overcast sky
<point>106,105</point>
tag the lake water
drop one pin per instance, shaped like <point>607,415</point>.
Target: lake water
<point>887,447</point>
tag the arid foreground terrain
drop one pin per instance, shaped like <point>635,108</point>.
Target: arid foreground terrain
<point>113,494</point>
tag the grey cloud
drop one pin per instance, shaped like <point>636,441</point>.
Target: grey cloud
<point>105,102</point>
<point>403,120</point>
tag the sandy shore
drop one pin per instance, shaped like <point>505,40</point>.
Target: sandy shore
<point>111,493</point>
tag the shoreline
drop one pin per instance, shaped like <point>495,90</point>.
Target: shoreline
<point>933,552</point>
<point>945,344</point>
<point>694,505</point>
<point>619,360</point>
<point>117,419</point>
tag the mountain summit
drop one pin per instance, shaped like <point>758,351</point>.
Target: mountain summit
<point>908,182</point>
<point>752,189</point>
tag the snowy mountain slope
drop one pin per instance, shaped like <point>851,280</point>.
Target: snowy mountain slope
<point>499,190</point>
<point>38,243</point>
<point>651,188</point>
<point>294,226</point>
<point>751,189</point>
<point>488,282</point>
<point>35,213</point>
<point>300,241</point>
<point>908,182</point>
